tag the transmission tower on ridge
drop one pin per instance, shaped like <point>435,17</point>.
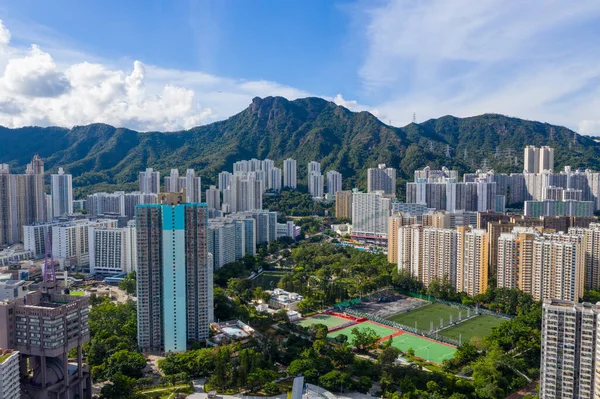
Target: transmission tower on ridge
<point>447,151</point>
<point>414,117</point>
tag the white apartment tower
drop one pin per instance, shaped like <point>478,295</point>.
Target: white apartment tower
<point>370,214</point>
<point>10,378</point>
<point>383,179</point>
<point>149,181</point>
<point>62,193</point>
<point>193,187</point>
<point>110,250</point>
<point>289,173</point>
<point>334,182</point>
<point>315,184</point>
<point>570,350</point>
<point>213,198</point>
<point>538,160</point>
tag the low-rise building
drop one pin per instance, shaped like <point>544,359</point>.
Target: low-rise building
<point>281,299</point>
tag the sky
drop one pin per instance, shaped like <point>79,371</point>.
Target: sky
<point>170,65</point>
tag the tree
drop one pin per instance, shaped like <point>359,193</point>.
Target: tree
<point>129,284</point>
<point>364,339</point>
<point>127,363</point>
<point>271,388</point>
<point>120,387</point>
<point>335,381</point>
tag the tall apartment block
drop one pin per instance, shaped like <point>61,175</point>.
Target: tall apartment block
<point>22,200</point>
<point>383,179</point>
<point>370,214</point>
<point>394,223</point>
<point>175,299</point>
<point>149,181</point>
<point>343,204</point>
<point>570,365</point>
<point>10,384</point>
<point>472,260</point>
<point>44,326</point>
<point>213,198</point>
<point>334,182</point>
<point>62,193</point>
<point>289,173</point>
<point>315,184</point>
<point>274,179</point>
<point>590,246</point>
<point>538,160</point>
<point>112,250</point>
<point>428,253</point>
<point>193,187</point>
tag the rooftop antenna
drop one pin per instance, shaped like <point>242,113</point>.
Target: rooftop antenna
<point>49,271</point>
<point>414,117</point>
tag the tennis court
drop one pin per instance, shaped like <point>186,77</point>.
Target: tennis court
<point>424,348</point>
<point>480,326</point>
<point>379,329</point>
<point>423,316</point>
<point>330,321</point>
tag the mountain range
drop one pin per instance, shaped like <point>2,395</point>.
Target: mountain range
<point>104,158</point>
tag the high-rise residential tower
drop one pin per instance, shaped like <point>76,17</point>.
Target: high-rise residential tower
<point>570,364</point>
<point>193,187</point>
<point>315,184</point>
<point>62,193</point>
<point>343,204</point>
<point>289,173</point>
<point>175,299</point>
<point>383,179</point>
<point>472,260</point>
<point>370,214</point>
<point>22,200</point>
<point>213,198</point>
<point>334,182</point>
<point>149,181</point>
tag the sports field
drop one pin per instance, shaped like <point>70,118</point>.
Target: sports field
<point>329,320</point>
<point>379,329</point>
<point>480,326</point>
<point>424,348</point>
<point>424,315</point>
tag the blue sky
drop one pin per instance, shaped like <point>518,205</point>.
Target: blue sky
<point>174,64</point>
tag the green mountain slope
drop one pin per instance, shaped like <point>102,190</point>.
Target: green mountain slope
<point>102,157</point>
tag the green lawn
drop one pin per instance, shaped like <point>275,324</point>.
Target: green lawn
<point>424,348</point>
<point>77,293</point>
<point>329,320</point>
<point>424,315</point>
<point>380,330</point>
<point>267,281</point>
<point>480,326</point>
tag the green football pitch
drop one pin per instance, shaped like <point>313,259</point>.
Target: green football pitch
<point>423,316</point>
<point>380,330</point>
<point>329,320</point>
<point>480,326</point>
<point>431,351</point>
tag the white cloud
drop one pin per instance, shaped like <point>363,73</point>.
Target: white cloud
<point>590,127</point>
<point>4,35</point>
<point>34,75</point>
<point>467,57</point>
<point>36,89</point>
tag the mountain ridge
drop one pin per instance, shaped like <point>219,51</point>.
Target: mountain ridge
<point>103,157</point>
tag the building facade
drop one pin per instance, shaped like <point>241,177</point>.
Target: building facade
<point>62,193</point>
<point>289,173</point>
<point>383,179</point>
<point>570,350</point>
<point>174,274</point>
